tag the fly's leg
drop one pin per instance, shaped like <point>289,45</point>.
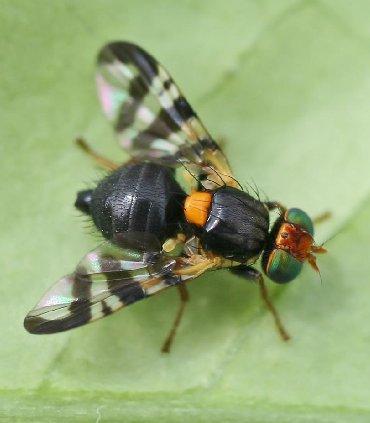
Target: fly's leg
<point>265,297</point>
<point>250,273</point>
<point>100,160</point>
<point>275,205</point>
<point>184,298</point>
<point>191,268</point>
<point>322,217</point>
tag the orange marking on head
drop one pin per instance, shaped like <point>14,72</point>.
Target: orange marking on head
<point>299,243</point>
<point>197,207</point>
<point>295,240</point>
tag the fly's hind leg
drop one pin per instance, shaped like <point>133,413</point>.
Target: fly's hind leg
<point>100,160</point>
<point>184,298</point>
<point>250,273</point>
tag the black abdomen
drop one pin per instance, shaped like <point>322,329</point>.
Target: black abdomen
<point>139,198</point>
<point>237,225</point>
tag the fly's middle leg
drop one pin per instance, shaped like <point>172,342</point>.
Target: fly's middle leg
<point>250,273</point>
<point>184,298</point>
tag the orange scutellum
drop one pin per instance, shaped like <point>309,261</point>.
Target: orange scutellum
<point>197,207</point>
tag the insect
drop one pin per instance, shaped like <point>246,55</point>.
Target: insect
<point>159,232</point>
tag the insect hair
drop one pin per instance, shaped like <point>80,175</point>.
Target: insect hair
<point>228,176</point>
<point>255,190</point>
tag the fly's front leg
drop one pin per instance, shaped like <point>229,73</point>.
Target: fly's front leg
<point>322,217</point>
<point>100,160</point>
<point>250,273</point>
<point>275,205</point>
<point>188,269</point>
<point>184,298</point>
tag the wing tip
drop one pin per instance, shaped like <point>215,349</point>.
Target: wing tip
<point>37,325</point>
<point>33,325</point>
<point>119,49</point>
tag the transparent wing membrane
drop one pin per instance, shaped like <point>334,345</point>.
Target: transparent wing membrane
<point>107,279</point>
<point>152,118</point>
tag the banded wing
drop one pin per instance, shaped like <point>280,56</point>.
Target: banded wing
<point>107,279</point>
<point>152,118</point>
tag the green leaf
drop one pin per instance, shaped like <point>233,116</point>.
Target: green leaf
<point>287,83</point>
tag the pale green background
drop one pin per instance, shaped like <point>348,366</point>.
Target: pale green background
<point>287,83</point>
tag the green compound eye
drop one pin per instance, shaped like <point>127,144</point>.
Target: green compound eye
<point>281,267</point>
<point>300,218</point>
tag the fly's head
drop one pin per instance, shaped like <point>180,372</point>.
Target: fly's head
<point>290,244</point>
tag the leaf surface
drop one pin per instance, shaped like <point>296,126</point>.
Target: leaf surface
<point>287,84</point>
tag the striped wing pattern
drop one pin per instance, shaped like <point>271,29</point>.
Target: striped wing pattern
<point>154,122</point>
<point>107,279</point>
<point>152,118</point>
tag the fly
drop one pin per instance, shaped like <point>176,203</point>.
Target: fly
<point>158,233</point>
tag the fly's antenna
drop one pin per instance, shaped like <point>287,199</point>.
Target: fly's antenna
<point>312,262</point>
<point>319,273</point>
